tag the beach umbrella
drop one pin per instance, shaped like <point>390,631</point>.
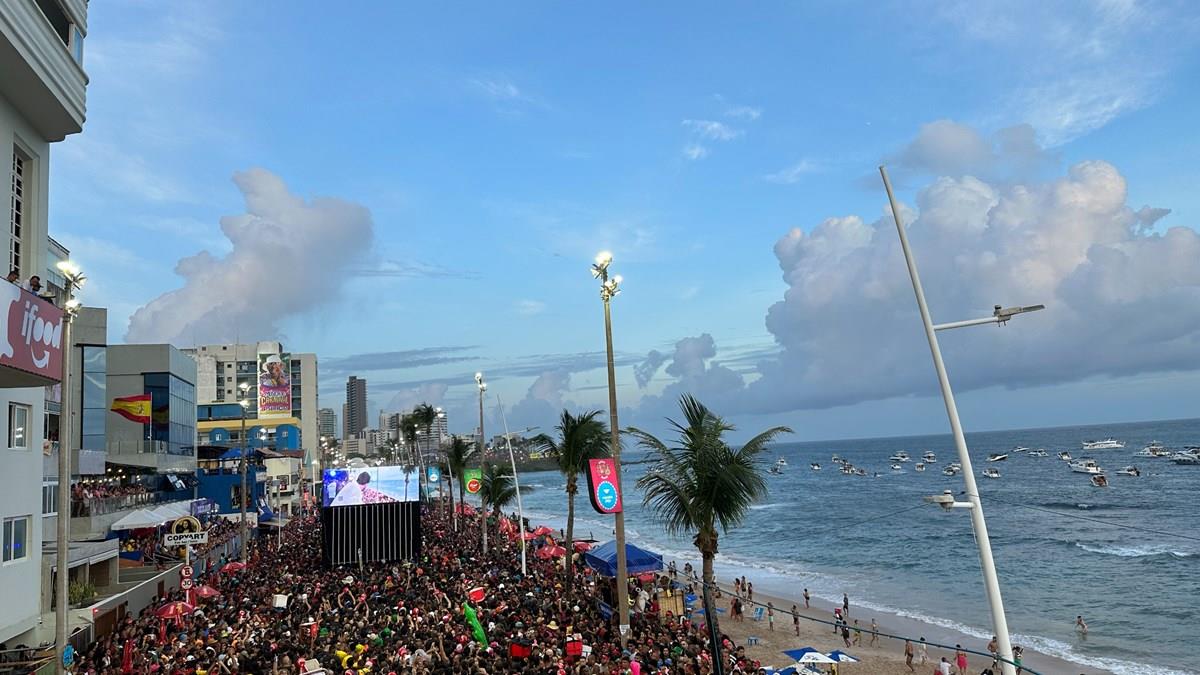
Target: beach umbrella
<point>582,546</point>
<point>174,610</point>
<point>807,655</point>
<point>842,657</point>
<point>529,536</point>
<point>205,592</point>
<point>542,529</point>
<point>234,566</point>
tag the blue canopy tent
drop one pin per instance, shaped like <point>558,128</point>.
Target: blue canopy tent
<point>236,453</point>
<point>603,559</point>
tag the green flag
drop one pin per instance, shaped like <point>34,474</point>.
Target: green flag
<point>473,622</point>
<point>472,480</point>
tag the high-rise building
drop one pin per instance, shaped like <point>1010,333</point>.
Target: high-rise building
<point>280,388</point>
<point>355,419</point>
<point>327,423</point>
<point>43,91</point>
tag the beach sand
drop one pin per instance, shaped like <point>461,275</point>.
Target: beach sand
<point>885,658</point>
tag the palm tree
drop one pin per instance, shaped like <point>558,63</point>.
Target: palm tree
<point>703,482</point>
<point>497,489</point>
<point>459,453</point>
<point>580,438</point>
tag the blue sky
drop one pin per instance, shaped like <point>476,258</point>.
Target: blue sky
<point>476,157</point>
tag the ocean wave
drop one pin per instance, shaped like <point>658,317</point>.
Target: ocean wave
<point>1135,551</point>
<point>776,505</point>
<point>1081,506</point>
<point>1062,650</point>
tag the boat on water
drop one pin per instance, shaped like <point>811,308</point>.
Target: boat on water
<point>1106,444</point>
<point>847,469</point>
<point>1153,449</point>
<point>1129,471</point>
<point>1020,448</point>
<point>897,467</point>
<point>1099,480</point>
<point>837,460</point>
<point>929,457</point>
<point>1086,465</point>
<point>900,456</point>
<point>775,470</point>
<point>1064,456</point>
<point>1189,457</point>
<point>920,466</point>
<point>948,471</point>
<point>781,462</point>
<point>997,457</point>
<point>861,472</point>
<point>1037,453</point>
<point>991,472</point>
<point>814,466</point>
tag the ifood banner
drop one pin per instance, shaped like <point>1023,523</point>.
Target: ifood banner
<point>274,385</point>
<point>30,335</point>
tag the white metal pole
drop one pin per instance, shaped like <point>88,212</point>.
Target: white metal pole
<point>990,581</point>
<point>517,484</point>
<point>62,554</point>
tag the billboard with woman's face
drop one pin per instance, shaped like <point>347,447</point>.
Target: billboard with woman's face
<point>371,485</point>
<point>274,385</point>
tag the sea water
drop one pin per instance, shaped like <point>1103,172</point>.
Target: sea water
<point>1062,547</point>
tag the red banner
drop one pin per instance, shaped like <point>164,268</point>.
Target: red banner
<point>31,337</point>
<point>603,487</point>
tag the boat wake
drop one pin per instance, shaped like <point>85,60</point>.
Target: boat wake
<point>1135,551</point>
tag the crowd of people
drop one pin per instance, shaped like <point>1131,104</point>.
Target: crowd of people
<point>99,498</point>
<point>455,611</point>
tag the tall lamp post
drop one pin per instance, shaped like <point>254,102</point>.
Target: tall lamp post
<point>1000,316</point>
<point>482,455</point>
<point>243,531</point>
<point>441,415</point>
<point>610,287</point>
<point>74,279</point>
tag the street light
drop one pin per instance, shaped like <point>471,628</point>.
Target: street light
<point>482,455</point>
<point>243,530</point>
<point>610,287</point>
<point>1000,316</point>
<point>517,485</point>
<point>74,280</point>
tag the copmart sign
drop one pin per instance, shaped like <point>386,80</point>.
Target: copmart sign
<point>185,539</point>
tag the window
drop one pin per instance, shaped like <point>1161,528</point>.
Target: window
<point>18,426</point>
<point>49,499</point>
<point>16,538</point>
<point>17,210</point>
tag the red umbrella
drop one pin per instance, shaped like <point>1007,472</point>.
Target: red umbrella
<point>205,592</point>
<point>529,536</point>
<point>582,546</point>
<point>554,551</point>
<point>233,567</point>
<point>174,610</point>
<point>646,577</point>
<point>542,529</point>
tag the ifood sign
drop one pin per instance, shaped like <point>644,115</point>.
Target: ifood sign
<point>31,337</point>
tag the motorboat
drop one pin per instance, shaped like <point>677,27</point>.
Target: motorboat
<point>1106,444</point>
<point>997,457</point>
<point>1064,456</point>
<point>848,469</point>
<point>1020,448</point>
<point>1099,480</point>
<point>781,462</point>
<point>1189,457</point>
<point>1037,453</point>
<point>897,467</point>
<point>949,471</point>
<point>991,472</point>
<point>861,472</point>
<point>900,456</point>
<point>920,466</point>
<point>929,458</point>
<point>1129,471</point>
<point>814,466</point>
<point>775,470</point>
<point>1086,465</point>
<point>1153,449</point>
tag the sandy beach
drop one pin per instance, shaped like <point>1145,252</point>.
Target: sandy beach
<point>886,657</point>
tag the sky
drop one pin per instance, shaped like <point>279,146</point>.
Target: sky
<point>417,193</point>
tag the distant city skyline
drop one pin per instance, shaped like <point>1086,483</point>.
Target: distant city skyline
<point>446,222</point>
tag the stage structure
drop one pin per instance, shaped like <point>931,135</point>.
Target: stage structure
<point>371,514</point>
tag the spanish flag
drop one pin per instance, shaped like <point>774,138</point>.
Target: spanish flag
<point>133,408</point>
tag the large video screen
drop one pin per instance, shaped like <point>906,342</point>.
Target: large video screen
<point>371,485</point>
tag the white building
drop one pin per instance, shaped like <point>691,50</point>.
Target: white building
<point>42,100</point>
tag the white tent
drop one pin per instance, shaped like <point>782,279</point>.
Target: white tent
<point>151,517</point>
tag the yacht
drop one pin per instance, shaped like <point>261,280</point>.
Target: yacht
<point>1064,456</point>
<point>900,456</point>
<point>1099,480</point>
<point>861,472</point>
<point>997,457</point>
<point>1189,457</point>
<point>920,466</point>
<point>929,457</point>
<point>1086,465</point>
<point>1129,471</point>
<point>1037,453</point>
<point>836,459</point>
<point>1154,449</point>
<point>781,462</point>
<point>897,467</point>
<point>775,470</point>
<point>1106,444</point>
<point>814,466</point>
<point>952,469</point>
<point>1020,448</point>
<point>991,472</point>
<point>848,469</point>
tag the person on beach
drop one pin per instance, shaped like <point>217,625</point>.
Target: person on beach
<point>908,656</point>
<point>750,591</point>
<point>1081,625</point>
<point>737,587</point>
<point>846,633</point>
<point>1018,651</point>
<point>845,605</point>
<point>924,651</point>
<point>991,647</point>
<point>943,667</point>
<point>837,618</point>
<point>874,633</point>
<point>960,659</point>
<point>796,621</point>
<point>806,599</point>
<point>857,634</point>
<point>771,616</point>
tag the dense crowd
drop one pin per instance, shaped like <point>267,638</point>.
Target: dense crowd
<point>105,490</point>
<point>394,618</point>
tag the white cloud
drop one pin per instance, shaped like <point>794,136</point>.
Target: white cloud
<point>712,131</point>
<point>695,151</point>
<point>498,88</point>
<point>530,307</point>
<point>948,148</point>
<point>288,257</point>
<point>743,112</point>
<point>792,174</point>
<point>433,393</point>
<point>696,372</point>
<point>542,402</point>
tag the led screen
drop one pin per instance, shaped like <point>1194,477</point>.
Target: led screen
<point>371,485</point>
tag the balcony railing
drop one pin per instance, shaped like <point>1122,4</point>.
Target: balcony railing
<point>99,506</point>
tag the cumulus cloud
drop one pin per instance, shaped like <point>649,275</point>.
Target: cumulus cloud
<point>543,401</point>
<point>288,256</point>
<point>948,148</point>
<point>696,372</point>
<point>645,371</point>
<point>433,393</point>
<point>1120,299</point>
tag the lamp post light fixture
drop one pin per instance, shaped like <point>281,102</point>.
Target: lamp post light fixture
<point>74,279</point>
<point>243,530</point>
<point>609,288</point>
<point>482,456</point>
<point>1000,316</point>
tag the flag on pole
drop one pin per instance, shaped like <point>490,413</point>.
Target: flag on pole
<point>133,408</point>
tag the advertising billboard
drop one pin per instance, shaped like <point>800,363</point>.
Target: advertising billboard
<point>602,485</point>
<point>371,485</point>
<point>30,338</point>
<point>274,386</point>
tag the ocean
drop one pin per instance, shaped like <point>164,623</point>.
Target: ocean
<point>1057,543</point>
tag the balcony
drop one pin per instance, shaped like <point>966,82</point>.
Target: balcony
<point>93,518</point>
<point>38,55</point>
